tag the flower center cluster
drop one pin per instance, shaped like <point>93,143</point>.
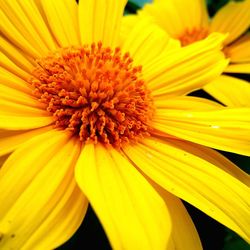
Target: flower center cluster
<point>94,92</point>
<point>191,36</point>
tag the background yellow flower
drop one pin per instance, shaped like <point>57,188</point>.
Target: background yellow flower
<point>188,22</point>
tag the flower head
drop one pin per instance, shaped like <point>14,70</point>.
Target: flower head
<point>95,93</point>
<point>89,117</point>
<point>189,22</point>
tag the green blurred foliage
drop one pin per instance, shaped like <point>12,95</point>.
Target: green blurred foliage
<point>233,242</point>
<point>134,5</point>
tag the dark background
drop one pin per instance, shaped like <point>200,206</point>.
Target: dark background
<point>214,236</point>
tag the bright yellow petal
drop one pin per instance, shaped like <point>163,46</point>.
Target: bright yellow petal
<point>186,69</point>
<point>15,116</point>
<point>127,24</point>
<point>141,40</point>
<point>131,211</point>
<point>233,18</point>
<point>226,129</point>
<point>11,121</point>
<point>21,170</point>
<point>16,27</point>
<point>25,113</point>
<point>16,96</point>
<point>17,56</point>
<point>26,16</point>
<point>177,16</point>
<point>186,102</point>
<point>231,91</point>
<point>12,81</point>
<point>34,198</point>
<point>160,11</point>
<point>7,64</point>
<point>196,181</point>
<point>184,234</point>
<point>19,109</point>
<point>100,20</point>
<point>242,68</point>
<point>239,52</point>
<point>10,140</point>
<point>36,17</point>
<point>62,19</point>
<point>61,223</point>
<point>213,157</point>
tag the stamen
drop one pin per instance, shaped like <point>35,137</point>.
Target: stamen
<point>191,36</point>
<point>94,92</point>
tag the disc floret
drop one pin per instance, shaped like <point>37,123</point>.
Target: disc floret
<point>94,92</point>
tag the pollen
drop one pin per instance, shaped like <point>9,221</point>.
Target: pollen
<point>191,36</point>
<point>96,93</point>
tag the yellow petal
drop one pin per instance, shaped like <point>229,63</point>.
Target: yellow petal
<point>141,40</point>
<point>193,179</point>
<point>12,81</point>
<point>7,64</point>
<point>46,188</point>
<point>186,69</point>
<point>10,107</point>
<point>16,96</point>
<point>17,56</point>
<point>186,102</point>
<point>10,140</point>
<point>127,24</point>
<point>16,122</point>
<point>160,11</point>
<point>177,16</point>
<point>61,223</point>
<point>213,157</point>
<point>133,214</point>
<point>99,20</point>
<point>233,18</point>
<point>62,19</point>
<point>184,234</point>
<point>243,68</point>
<point>24,114</point>
<point>21,170</point>
<point>226,129</point>
<point>231,91</point>
<point>17,29</point>
<point>25,16</point>
<point>36,17</point>
<point>20,116</point>
<point>239,51</point>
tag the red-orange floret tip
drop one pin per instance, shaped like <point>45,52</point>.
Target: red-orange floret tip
<point>96,93</point>
<point>194,35</point>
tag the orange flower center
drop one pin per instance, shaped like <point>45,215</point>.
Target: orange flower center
<point>191,36</point>
<point>94,92</point>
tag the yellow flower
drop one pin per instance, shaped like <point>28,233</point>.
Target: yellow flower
<point>86,122</point>
<point>188,22</point>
